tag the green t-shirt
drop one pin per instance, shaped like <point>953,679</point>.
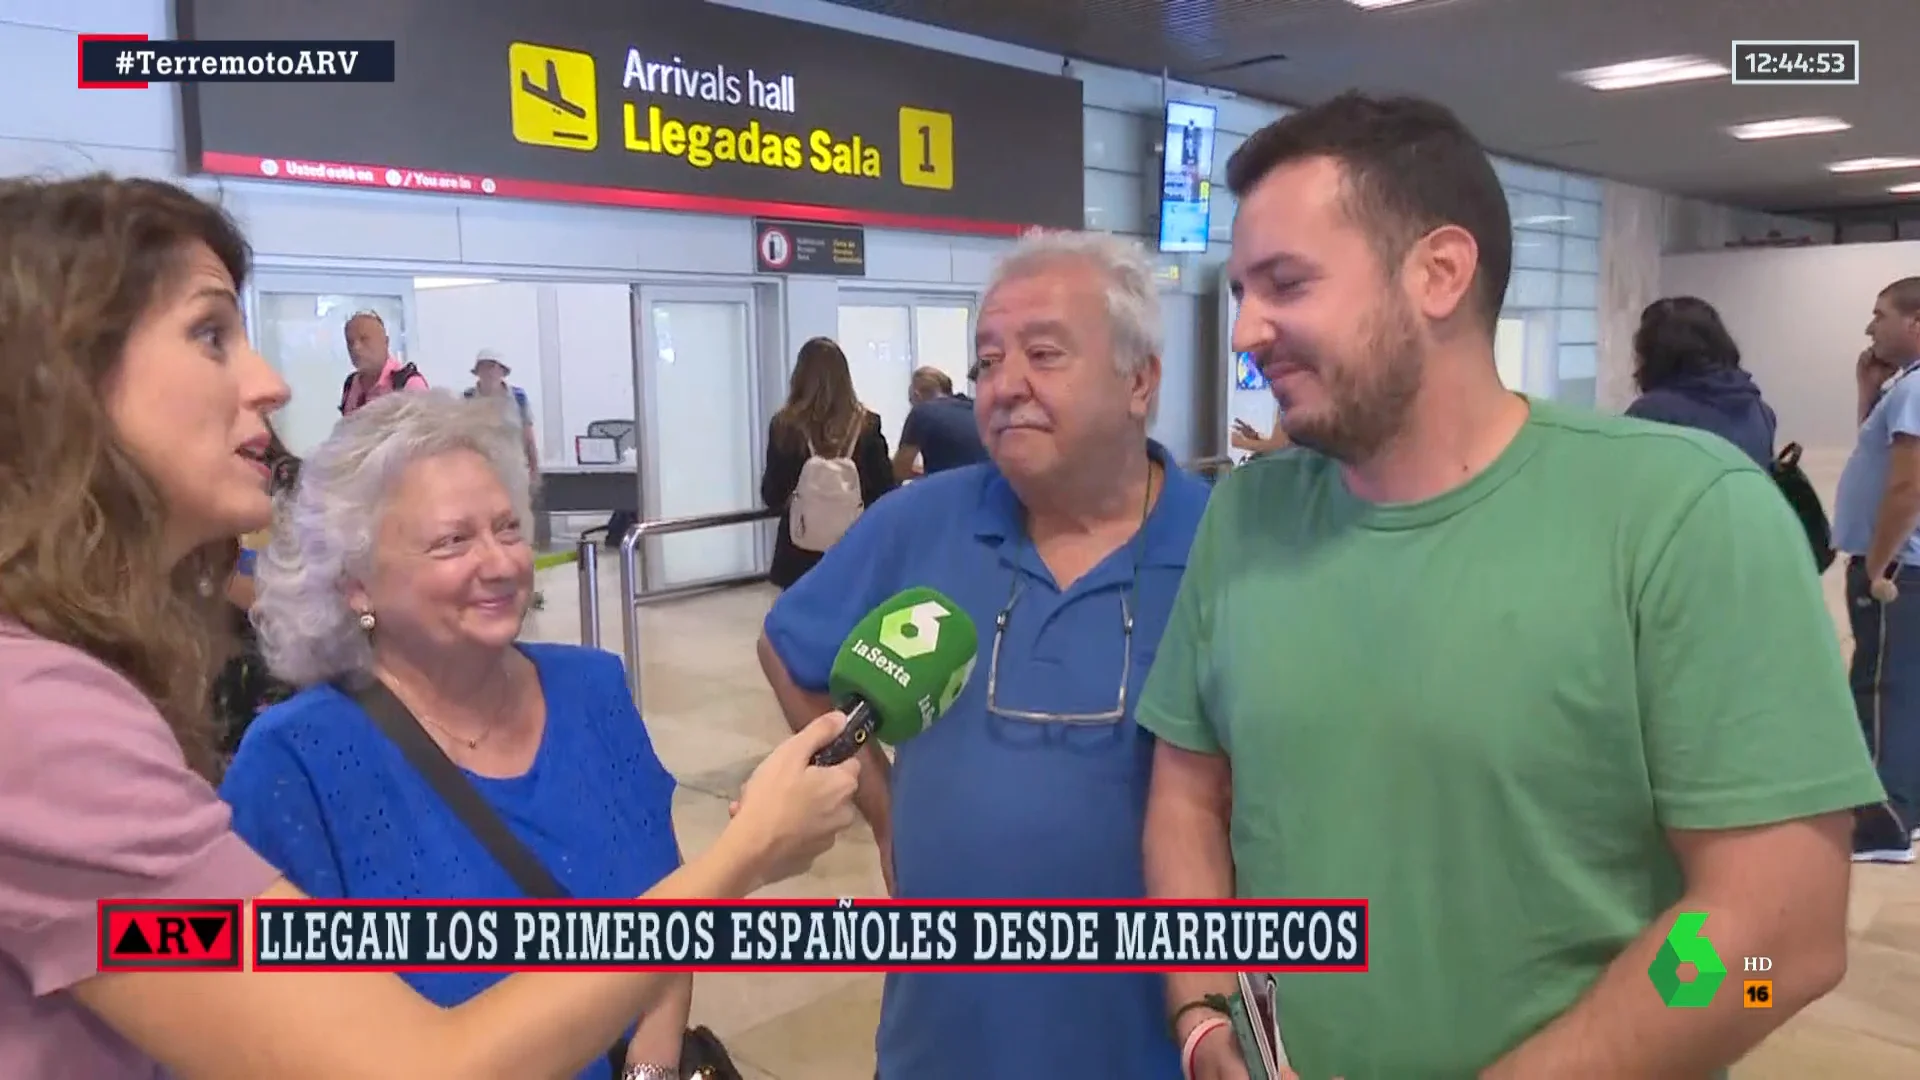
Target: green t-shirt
<point>1481,711</point>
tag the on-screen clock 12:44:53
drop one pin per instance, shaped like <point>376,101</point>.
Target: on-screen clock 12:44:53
<point>1791,63</point>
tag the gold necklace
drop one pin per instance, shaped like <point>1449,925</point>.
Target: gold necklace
<point>471,744</point>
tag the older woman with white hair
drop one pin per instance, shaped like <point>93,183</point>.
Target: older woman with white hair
<point>393,592</point>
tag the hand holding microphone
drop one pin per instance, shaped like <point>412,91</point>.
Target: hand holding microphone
<point>790,811</point>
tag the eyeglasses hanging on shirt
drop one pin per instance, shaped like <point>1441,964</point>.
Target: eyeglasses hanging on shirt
<point>1105,718</point>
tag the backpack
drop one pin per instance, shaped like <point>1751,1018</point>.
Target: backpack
<point>401,377</point>
<point>1805,501</point>
<point>525,410</point>
<point>827,500</point>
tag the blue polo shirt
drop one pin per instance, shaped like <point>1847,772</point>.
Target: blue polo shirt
<point>946,433</point>
<point>986,807</point>
<point>1863,483</point>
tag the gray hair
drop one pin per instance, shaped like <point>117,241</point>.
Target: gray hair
<point>1133,303</point>
<point>324,530</point>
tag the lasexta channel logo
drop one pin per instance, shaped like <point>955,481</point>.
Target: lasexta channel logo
<point>1685,944</point>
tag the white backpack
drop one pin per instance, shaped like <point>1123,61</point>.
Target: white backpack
<point>827,500</point>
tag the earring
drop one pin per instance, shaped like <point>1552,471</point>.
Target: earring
<point>366,621</point>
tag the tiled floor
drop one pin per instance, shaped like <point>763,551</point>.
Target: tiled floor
<point>711,718</point>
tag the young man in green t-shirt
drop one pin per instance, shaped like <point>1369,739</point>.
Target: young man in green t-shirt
<point>1531,680</point>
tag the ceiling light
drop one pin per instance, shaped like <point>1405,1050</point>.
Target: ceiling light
<point>1371,5</point>
<point>1788,126</point>
<point>1874,164</point>
<point>449,282</point>
<point>1637,73</point>
<point>1906,189</point>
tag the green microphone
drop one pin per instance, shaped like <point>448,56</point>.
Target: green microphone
<point>901,668</point>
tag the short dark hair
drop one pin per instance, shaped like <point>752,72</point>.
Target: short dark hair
<point>1904,295</point>
<point>1680,336</point>
<point>928,382</point>
<point>1410,167</point>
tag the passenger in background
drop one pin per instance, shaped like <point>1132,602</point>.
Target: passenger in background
<point>402,558</point>
<point>827,460</point>
<point>941,431</point>
<point>1688,370</point>
<point>376,371</point>
<point>245,686</point>
<point>490,373</point>
<point>1065,549</point>
<point>1247,438</point>
<point>1876,521</point>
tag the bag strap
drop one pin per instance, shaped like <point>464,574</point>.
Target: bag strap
<point>859,429</point>
<point>397,722</point>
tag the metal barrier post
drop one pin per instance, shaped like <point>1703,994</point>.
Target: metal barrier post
<point>629,604</point>
<point>630,573</point>
<point>589,569</point>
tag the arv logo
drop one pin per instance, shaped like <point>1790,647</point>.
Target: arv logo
<point>914,631</point>
<point>1687,945</point>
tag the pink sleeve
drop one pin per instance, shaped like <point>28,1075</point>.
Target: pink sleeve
<point>96,801</point>
<point>416,381</point>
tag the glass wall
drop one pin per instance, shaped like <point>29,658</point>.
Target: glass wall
<point>1555,288</point>
<point>887,335</point>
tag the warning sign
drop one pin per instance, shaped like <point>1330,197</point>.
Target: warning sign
<point>555,101</point>
<point>792,247</point>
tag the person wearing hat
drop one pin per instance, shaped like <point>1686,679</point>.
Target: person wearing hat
<point>490,373</point>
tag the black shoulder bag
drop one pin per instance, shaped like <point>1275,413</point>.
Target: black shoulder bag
<point>702,1055</point>
<point>1805,502</point>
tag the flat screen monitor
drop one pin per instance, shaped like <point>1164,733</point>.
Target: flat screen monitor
<point>1246,372</point>
<point>1186,168</point>
<point>593,450</point>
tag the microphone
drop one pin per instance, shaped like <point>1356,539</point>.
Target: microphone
<point>902,667</point>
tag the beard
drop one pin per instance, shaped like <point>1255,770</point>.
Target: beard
<point>1369,391</point>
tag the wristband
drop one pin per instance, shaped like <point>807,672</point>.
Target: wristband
<point>1216,1002</point>
<point>1200,1031</point>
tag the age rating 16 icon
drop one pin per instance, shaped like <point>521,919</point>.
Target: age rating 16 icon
<point>1685,944</point>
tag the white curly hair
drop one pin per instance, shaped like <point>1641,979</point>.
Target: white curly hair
<point>324,529</point>
<point>1133,299</point>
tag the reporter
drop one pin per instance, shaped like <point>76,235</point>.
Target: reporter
<point>132,418</point>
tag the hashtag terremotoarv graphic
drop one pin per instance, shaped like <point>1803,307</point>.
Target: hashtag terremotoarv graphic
<point>132,61</point>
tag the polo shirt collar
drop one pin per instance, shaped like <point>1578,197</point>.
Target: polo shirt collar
<point>1000,516</point>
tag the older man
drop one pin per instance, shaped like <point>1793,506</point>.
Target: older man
<point>1066,549</point>
<point>1534,681</point>
<point>1877,523</point>
<point>376,371</point>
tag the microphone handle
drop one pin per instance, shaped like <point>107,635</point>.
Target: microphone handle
<point>861,723</point>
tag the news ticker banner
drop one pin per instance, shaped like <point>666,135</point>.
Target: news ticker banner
<point>791,935</point>
<point>674,105</point>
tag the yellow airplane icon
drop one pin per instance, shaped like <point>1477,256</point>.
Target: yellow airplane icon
<point>555,102</point>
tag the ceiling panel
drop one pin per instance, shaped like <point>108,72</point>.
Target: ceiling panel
<point>1501,65</point>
